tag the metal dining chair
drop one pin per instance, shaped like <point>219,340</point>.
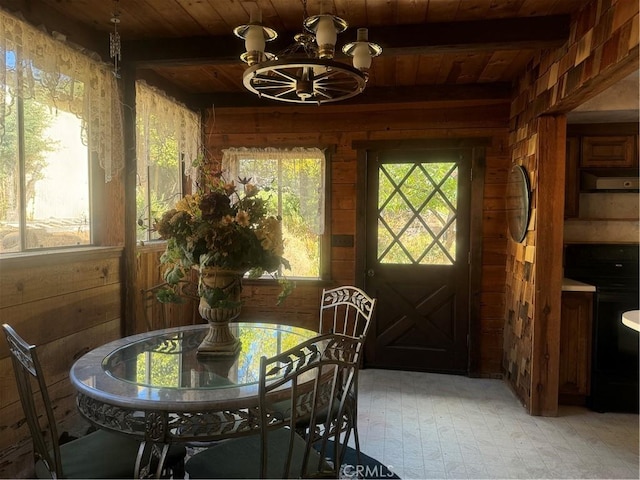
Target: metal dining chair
<point>294,385</point>
<point>348,310</point>
<point>99,454</point>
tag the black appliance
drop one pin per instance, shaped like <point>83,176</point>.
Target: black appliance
<point>614,270</point>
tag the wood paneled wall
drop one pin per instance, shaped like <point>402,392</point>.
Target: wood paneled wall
<point>339,126</point>
<point>66,303</point>
<point>602,49</point>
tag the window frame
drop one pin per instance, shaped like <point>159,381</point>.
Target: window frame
<point>88,90</point>
<point>325,238</point>
<point>155,107</point>
<point>325,243</point>
<point>23,225</point>
<point>148,226</point>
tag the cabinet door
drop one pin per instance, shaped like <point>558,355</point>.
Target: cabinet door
<point>608,152</point>
<point>575,346</point>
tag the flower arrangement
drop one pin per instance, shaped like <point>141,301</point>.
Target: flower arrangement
<point>226,227</point>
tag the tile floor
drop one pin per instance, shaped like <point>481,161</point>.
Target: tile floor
<point>446,426</point>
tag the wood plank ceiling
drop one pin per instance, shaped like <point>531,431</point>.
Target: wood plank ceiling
<point>430,47</point>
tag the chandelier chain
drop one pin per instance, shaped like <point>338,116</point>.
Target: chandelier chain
<point>115,45</point>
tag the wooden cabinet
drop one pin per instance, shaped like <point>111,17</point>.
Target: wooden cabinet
<point>575,347</point>
<point>609,149</point>
<point>609,152</point>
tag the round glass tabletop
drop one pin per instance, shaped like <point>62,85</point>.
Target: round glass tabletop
<point>170,361</point>
<point>162,370</point>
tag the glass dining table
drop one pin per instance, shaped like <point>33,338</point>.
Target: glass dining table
<point>155,387</point>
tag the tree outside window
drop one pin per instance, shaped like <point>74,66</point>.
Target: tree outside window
<point>293,184</point>
<point>44,184</point>
<point>167,141</point>
<point>159,183</point>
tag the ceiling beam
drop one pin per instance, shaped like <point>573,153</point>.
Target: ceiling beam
<point>168,87</point>
<point>488,93</point>
<point>432,38</point>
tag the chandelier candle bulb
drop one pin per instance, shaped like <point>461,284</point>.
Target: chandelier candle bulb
<point>362,58</point>
<point>255,36</point>
<point>326,36</point>
<point>361,54</point>
<point>362,51</point>
<point>255,42</point>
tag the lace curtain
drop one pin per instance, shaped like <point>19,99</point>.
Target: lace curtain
<point>160,117</point>
<point>294,171</point>
<point>38,66</point>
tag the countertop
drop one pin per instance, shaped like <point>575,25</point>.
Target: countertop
<point>569,285</point>
<point>632,319</point>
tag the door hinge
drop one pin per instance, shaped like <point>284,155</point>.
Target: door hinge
<point>469,257</point>
<point>471,174</point>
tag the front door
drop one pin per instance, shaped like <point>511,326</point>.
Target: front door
<point>417,250</point>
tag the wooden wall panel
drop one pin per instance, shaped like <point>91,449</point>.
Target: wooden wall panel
<point>66,303</point>
<point>601,51</point>
<point>300,309</point>
<point>112,213</point>
<point>24,286</point>
<point>70,312</point>
<point>362,118</point>
<point>494,233</point>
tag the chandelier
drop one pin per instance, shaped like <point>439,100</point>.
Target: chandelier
<point>305,72</point>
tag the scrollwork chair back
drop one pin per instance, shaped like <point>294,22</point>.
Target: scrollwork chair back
<point>300,384</point>
<point>347,310</point>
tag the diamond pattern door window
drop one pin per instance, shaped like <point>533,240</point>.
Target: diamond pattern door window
<point>417,212</point>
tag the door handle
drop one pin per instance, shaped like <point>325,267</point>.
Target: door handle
<point>371,273</point>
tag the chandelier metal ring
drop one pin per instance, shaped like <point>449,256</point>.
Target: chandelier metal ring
<point>305,72</point>
<point>304,80</point>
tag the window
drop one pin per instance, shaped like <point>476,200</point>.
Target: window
<point>293,182</point>
<point>35,212</point>
<point>167,140</point>
<point>60,114</point>
<point>417,213</point>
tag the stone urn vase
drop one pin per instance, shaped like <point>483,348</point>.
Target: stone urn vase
<point>225,286</point>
